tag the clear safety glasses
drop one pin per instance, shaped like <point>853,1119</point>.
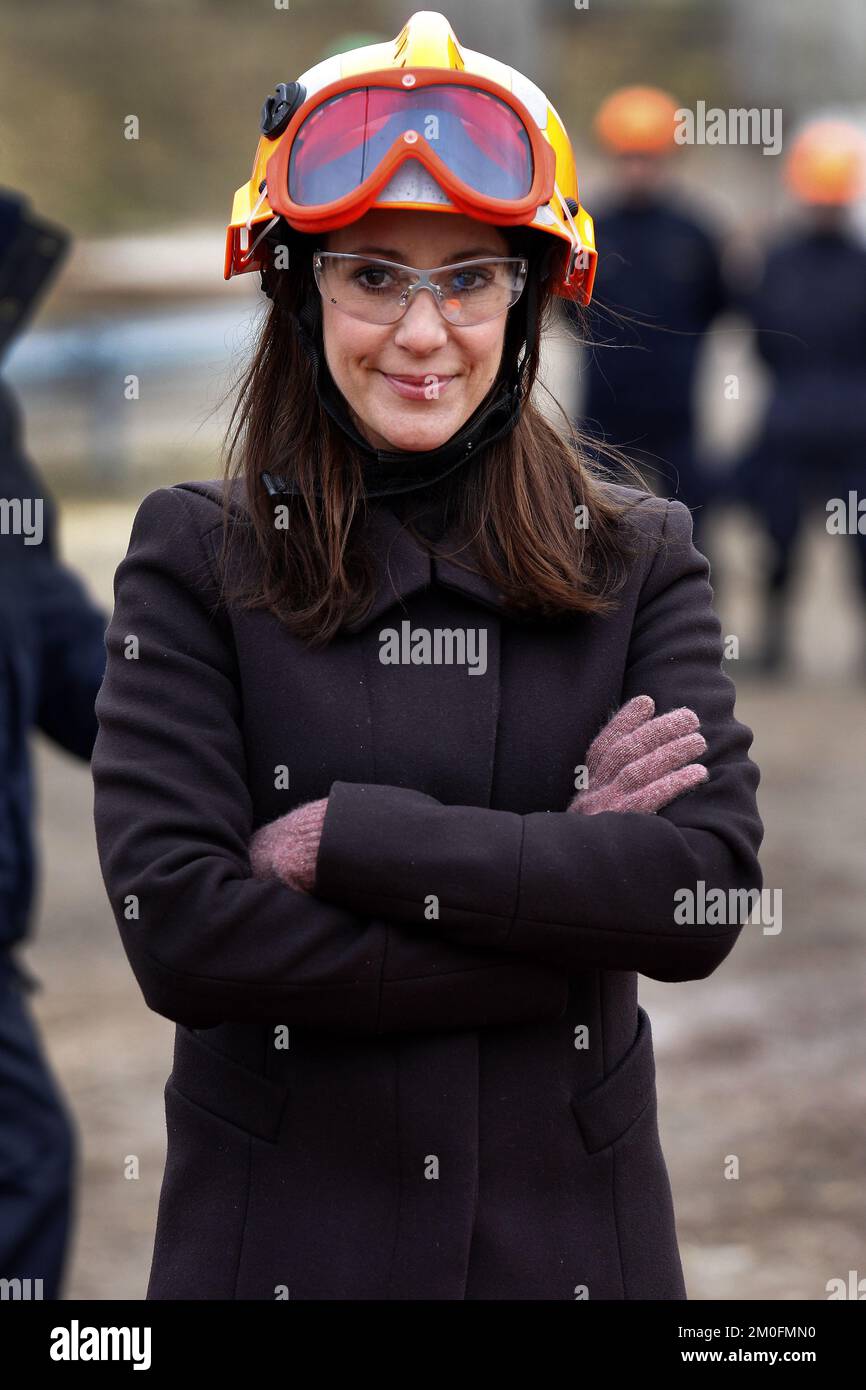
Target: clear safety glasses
<point>380,291</point>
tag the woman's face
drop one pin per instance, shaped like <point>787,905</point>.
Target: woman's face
<point>375,365</point>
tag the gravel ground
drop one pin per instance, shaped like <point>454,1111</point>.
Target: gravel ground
<point>763,1062</point>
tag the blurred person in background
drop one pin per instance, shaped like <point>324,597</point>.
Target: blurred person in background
<point>807,307</point>
<point>52,660</point>
<point>661,275</point>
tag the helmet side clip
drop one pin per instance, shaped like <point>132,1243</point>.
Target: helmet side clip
<point>278,110</point>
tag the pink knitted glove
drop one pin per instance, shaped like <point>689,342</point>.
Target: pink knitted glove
<point>638,763</point>
<point>287,848</point>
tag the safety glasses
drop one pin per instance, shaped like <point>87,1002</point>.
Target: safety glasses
<point>381,291</point>
<point>476,139</point>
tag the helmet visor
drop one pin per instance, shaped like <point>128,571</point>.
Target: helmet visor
<point>481,140</point>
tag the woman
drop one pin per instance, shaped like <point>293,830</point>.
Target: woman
<point>378,799</point>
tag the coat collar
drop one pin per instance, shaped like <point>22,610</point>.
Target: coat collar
<point>404,568</point>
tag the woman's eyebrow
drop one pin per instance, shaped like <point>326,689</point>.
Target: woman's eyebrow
<point>392,255</point>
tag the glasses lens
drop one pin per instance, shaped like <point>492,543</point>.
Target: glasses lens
<point>478,136</point>
<point>366,288</point>
<point>476,291</point>
<point>378,291</point>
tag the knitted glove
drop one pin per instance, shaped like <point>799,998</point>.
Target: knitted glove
<point>287,848</point>
<point>638,763</point>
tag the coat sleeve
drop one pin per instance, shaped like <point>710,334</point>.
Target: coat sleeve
<point>208,942</point>
<point>571,890</point>
<point>64,628</point>
<point>72,639</point>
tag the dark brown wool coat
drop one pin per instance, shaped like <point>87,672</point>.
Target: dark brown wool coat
<point>435,1127</point>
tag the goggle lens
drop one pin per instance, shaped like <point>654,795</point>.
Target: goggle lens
<point>480,138</point>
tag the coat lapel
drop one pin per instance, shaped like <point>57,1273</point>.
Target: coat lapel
<point>449,753</point>
<point>403,568</point>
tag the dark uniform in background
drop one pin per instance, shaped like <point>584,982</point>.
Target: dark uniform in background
<point>662,270</point>
<point>52,660</point>
<point>808,311</point>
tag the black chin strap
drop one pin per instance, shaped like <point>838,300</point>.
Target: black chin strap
<point>386,473</point>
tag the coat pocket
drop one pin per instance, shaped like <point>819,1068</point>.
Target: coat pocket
<point>226,1088</point>
<point>606,1113</point>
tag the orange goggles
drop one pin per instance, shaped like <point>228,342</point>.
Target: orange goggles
<point>477,140</point>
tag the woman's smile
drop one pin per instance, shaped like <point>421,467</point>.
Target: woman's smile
<point>428,387</point>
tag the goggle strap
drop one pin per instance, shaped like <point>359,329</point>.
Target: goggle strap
<point>267,227</point>
<point>567,210</point>
<point>261,198</point>
<point>570,230</point>
<point>247,226</point>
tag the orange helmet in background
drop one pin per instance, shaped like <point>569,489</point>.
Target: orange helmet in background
<point>637,120</point>
<point>827,163</point>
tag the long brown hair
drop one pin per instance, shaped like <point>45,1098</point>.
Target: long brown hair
<point>516,502</point>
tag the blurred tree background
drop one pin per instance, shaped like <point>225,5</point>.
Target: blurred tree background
<point>196,71</point>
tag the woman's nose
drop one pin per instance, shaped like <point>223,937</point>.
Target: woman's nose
<point>422,328</point>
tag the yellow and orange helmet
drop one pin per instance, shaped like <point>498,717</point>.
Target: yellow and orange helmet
<point>417,122</point>
<point>827,163</point>
<point>637,120</point>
